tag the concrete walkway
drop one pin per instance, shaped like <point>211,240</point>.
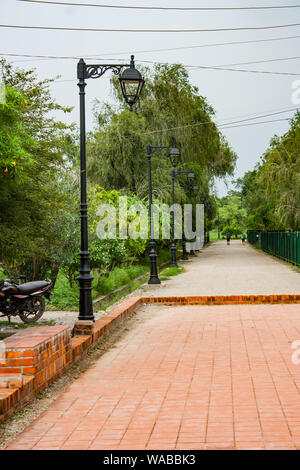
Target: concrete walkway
<point>192,377</point>
<point>231,270</point>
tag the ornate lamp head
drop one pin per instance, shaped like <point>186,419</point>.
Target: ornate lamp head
<point>132,83</point>
<point>174,155</point>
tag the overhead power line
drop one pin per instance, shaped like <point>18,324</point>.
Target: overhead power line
<point>133,7</point>
<point>261,116</point>
<point>120,30</point>
<point>222,69</point>
<point>162,131</point>
<point>260,61</point>
<point>218,44</point>
<point>220,126</point>
<point>258,114</point>
<point>193,67</point>
<point>224,125</point>
<point>254,123</point>
<point>228,125</point>
<point>225,67</point>
<point>288,74</point>
<point>242,70</point>
<point>91,56</point>
<point>99,58</point>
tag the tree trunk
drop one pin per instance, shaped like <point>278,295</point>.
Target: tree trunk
<point>54,273</point>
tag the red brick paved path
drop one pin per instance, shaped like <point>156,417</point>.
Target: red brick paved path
<point>190,377</point>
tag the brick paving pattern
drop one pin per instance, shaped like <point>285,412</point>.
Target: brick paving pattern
<point>186,377</point>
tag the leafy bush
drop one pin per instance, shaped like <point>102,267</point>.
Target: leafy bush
<point>233,230</point>
<point>64,296</point>
<point>117,278</point>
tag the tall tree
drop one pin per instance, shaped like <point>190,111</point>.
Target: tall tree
<point>171,111</point>
<point>271,192</point>
<point>36,203</point>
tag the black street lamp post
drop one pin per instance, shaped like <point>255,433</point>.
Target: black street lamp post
<point>189,188</point>
<point>175,158</point>
<point>209,211</point>
<point>131,83</point>
<point>208,207</point>
<point>154,279</point>
<point>184,252</point>
<point>193,191</point>
<point>203,200</point>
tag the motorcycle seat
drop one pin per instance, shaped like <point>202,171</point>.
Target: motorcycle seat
<point>30,287</point>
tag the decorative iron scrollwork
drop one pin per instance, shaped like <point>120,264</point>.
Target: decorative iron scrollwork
<point>96,71</point>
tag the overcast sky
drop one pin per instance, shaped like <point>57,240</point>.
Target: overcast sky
<point>234,95</point>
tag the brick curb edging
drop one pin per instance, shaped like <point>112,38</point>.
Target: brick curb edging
<point>223,299</point>
<point>42,354</point>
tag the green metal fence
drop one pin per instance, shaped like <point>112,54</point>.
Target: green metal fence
<point>284,245</point>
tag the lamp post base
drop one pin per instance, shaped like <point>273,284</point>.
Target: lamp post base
<point>184,252</point>
<point>173,259</point>
<point>85,288</point>
<point>154,279</point>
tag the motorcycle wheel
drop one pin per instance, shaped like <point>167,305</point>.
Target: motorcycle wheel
<point>39,308</point>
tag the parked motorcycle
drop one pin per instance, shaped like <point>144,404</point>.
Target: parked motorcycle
<point>26,300</point>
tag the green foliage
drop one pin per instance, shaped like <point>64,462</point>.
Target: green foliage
<point>232,215</point>
<point>65,296</point>
<point>234,231</point>
<point>271,192</point>
<point>37,204</point>
<point>120,145</point>
<point>131,249</point>
<point>119,277</point>
<point>164,255</point>
<point>171,111</point>
<point>39,176</point>
<point>16,146</point>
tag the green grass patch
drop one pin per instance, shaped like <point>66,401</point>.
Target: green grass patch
<point>65,297</point>
<point>133,285</point>
<point>172,271</point>
<point>163,256</point>
<point>213,235</point>
<point>21,413</point>
<point>119,277</point>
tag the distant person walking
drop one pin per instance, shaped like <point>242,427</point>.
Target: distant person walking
<point>228,238</point>
<point>243,237</point>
